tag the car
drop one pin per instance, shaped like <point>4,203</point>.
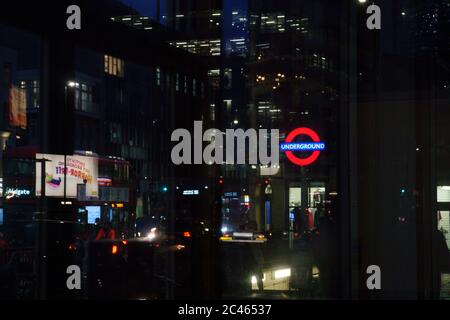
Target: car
<point>244,236</point>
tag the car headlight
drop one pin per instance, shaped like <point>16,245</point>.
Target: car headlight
<point>152,234</point>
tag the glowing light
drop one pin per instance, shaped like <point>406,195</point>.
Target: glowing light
<point>152,234</point>
<point>186,234</point>
<point>316,141</point>
<point>254,281</point>
<point>282,273</point>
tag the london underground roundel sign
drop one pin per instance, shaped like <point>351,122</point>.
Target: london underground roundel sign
<point>289,147</point>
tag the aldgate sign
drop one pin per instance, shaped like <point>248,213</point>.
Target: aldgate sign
<point>230,147</point>
<point>18,193</point>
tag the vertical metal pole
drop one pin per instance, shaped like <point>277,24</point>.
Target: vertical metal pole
<point>41,244</point>
<point>348,179</point>
<point>65,156</point>
<point>291,233</point>
<point>65,177</point>
<point>41,236</point>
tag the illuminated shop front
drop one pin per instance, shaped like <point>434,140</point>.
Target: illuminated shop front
<point>89,190</point>
<point>300,187</point>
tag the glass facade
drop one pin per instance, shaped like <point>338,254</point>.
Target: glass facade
<point>224,149</point>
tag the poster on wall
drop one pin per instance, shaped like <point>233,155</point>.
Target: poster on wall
<point>17,108</point>
<point>80,170</point>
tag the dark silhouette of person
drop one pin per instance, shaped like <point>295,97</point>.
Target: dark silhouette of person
<point>106,232</point>
<point>93,232</point>
<point>297,219</point>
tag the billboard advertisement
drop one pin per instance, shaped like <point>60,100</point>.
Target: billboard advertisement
<point>80,170</point>
<point>17,108</point>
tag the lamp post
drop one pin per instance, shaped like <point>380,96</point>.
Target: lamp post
<point>41,247</point>
<point>69,93</point>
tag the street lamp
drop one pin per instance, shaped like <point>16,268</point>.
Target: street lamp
<point>72,84</point>
<point>69,93</point>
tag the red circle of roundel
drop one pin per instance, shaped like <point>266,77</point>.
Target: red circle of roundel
<point>302,161</point>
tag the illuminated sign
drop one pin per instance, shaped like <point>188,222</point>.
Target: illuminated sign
<point>306,146</point>
<point>104,182</point>
<point>75,169</point>
<point>190,192</point>
<point>230,194</point>
<point>17,193</point>
<point>289,147</point>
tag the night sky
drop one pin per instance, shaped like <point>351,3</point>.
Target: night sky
<point>145,7</point>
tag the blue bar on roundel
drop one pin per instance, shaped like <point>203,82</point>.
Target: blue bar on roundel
<point>303,146</point>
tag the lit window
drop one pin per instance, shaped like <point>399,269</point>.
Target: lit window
<point>106,65</point>
<point>443,194</point>
<point>113,66</point>
<point>213,111</point>
<point>228,78</point>
<point>158,76</point>
<point>31,89</point>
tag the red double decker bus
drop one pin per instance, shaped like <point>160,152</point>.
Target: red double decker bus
<point>115,186</point>
<point>45,224</point>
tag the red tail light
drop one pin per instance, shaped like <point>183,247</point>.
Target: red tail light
<point>114,249</point>
<point>186,234</point>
